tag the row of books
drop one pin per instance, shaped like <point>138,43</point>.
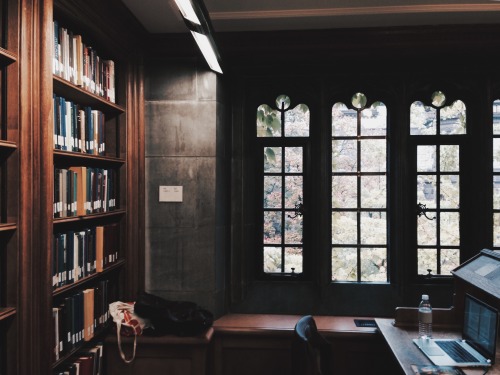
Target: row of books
<point>78,254</point>
<point>83,190</point>
<point>88,361</point>
<point>79,318</point>
<point>78,128</point>
<point>79,63</point>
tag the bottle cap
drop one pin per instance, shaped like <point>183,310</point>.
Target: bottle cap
<point>425,297</point>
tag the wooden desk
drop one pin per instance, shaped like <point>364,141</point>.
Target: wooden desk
<point>406,353</point>
<point>249,344</point>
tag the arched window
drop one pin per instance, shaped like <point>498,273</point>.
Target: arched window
<point>359,191</point>
<point>282,132</point>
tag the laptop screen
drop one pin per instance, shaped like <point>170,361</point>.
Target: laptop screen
<point>480,326</point>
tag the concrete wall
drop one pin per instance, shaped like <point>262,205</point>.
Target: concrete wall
<point>185,146</point>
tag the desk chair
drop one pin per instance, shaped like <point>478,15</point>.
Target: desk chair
<point>311,352</point>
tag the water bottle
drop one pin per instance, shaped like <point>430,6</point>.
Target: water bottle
<point>425,318</point>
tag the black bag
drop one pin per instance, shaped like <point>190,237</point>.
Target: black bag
<point>172,317</point>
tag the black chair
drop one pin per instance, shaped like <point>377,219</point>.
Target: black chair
<point>311,352</point>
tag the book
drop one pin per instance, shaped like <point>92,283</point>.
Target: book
<point>436,370</point>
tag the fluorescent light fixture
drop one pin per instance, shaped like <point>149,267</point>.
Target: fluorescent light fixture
<point>187,10</point>
<point>197,20</point>
<point>205,45</point>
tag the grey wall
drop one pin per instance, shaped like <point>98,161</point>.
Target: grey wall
<point>185,146</point>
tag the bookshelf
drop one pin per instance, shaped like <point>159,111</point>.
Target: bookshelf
<point>28,160</point>
<point>107,151</point>
<point>29,157</point>
<point>9,179</point>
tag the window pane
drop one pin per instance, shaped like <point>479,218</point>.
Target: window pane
<point>344,155</point>
<point>272,191</point>
<point>450,191</point>
<point>293,259</point>
<point>426,190</point>
<point>450,259</point>
<point>293,160</point>
<point>344,121</point>
<point>496,192</point>
<point>344,192</point>
<point>373,155</point>
<point>426,158</point>
<point>496,117</point>
<point>496,229</point>
<point>427,260</point>
<point>374,120</point>
<point>344,228</point>
<point>422,119</point>
<point>293,191</point>
<point>373,191</point>
<point>426,231</point>
<point>297,121</point>
<point>272,159</point>
<point>374,264</point>
<point>449,158</point>
<point>268,122</point>
<point>344,264</point>
<point>453,119</point>
<point>496,154</point>
<point>272,259</point>
<point>293,230</point>
<point>373,228</point>
<point>272,227</point>
<point>450,228</point>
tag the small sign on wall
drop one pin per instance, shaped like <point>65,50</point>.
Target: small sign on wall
<point>170,193</point>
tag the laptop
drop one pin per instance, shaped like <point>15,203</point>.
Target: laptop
<point>478,343</point>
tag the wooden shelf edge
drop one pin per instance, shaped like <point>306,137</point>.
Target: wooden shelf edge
<point>8,227</point>
<point>84,97</point>
<point>100,215</point>
<point>7,312</point>
<point>81,156</point>
<point>8,145</point>
<point>7,57</point>
<point>66,288</point>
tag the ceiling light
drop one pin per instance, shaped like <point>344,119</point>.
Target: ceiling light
<point>206,47</point>
<point>197,21</point>
<point>187,11</point>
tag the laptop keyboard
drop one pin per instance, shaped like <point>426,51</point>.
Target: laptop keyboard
<point>456,351</point>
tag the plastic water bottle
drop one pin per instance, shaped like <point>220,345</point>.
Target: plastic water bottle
<point>425,318</point>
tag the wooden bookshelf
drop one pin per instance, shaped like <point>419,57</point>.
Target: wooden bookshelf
<point>11,213</point>
<point>28,158</point>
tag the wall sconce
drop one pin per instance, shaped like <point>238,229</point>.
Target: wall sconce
<point>196,18</point>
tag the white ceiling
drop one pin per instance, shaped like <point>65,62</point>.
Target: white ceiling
<point>162,16</point>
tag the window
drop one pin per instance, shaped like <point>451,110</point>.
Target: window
<point>438,182</point>
<point>496,173</point>
<point>359,191</point>
<point>283,132</point>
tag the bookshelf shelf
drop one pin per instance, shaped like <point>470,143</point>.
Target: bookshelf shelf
<point>6,145</point>
<point>7,57</point>
<point>90,217</point>
<point>84,97</point>
<point>8,227</point>
<point>7,312</point>
<point>76,158</point>
<point>89,279</point>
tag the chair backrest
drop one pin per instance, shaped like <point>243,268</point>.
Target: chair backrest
<point>311,352</point>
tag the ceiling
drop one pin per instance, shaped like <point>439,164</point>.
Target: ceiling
<point>162,16</point>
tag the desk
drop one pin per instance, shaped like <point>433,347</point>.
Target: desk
<point>406,353</point>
